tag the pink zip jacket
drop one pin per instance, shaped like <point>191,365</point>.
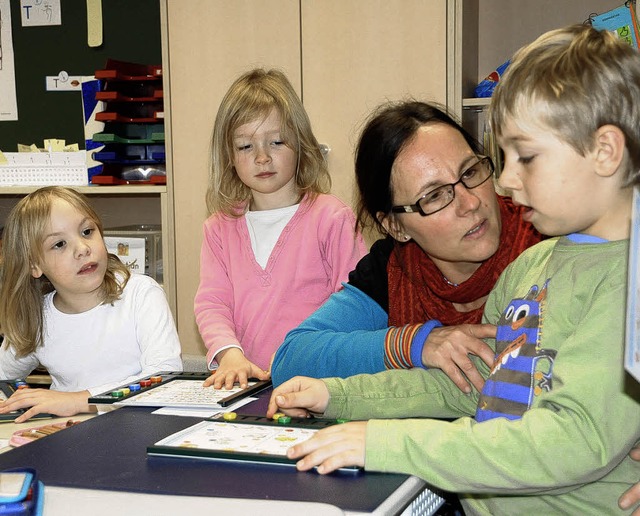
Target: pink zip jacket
<point>240,304</point>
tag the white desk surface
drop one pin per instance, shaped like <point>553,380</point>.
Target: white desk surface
<point>62,501</point>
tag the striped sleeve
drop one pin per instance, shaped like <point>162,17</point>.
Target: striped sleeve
<point>403,345</point>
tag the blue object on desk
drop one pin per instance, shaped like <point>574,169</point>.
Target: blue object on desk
<point>21,492</point>
<point>14,486</point>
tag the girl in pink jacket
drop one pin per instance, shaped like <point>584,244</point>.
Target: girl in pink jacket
<point>276,244</point>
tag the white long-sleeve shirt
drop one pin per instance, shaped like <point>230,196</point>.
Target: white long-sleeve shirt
<point>106,346</point>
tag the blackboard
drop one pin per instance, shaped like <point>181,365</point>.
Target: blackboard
<point>131,32</point>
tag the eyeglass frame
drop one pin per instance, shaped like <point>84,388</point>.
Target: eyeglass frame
<point>416,208</point>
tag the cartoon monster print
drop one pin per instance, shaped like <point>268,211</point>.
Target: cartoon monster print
<point>522,369</point>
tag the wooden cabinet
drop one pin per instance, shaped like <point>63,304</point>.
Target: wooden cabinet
<point>344,57</point>
<point>209,43</point>
<point>357,54</point>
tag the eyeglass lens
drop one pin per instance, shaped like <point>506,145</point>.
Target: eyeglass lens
<point>442,196</point>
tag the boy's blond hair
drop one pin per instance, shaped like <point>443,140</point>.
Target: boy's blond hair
<point>576,80</point>
<point>252,97</point>
<point>21,295</point>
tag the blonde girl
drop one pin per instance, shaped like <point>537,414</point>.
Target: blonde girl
<point>276,244</point>
<point>68,305</point>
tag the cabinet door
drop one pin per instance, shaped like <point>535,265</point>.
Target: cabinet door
<point>359,53</point>
<point>210,43</point>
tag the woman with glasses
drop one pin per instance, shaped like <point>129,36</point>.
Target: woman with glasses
<point>416,300</point>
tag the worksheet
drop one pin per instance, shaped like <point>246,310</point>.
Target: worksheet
<point>183,393</point>
<point>232,438</point>
<point>242,438</point>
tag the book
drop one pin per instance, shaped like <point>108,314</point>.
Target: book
<point>621,21</point>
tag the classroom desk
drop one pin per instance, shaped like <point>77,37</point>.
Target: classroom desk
<point>100,467</point>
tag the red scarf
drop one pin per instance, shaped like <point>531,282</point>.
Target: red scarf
<point>418,291</point>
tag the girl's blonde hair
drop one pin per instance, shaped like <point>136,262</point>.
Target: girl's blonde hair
<point>21,295</point>
<point>252,97</point>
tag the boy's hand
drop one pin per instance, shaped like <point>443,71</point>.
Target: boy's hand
<point>234,367</point>
<point>632,495</point>
<point>45,400</point>
<point>299,397</point>
<point>448,348</point>
<point>331,448</point>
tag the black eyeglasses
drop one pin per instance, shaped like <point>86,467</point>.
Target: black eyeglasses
<point>443,196</point>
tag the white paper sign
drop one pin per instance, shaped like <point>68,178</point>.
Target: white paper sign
<point>40,12</point>
<point>8,99</point>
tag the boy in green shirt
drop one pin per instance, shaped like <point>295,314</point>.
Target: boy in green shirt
<point>551,430</point>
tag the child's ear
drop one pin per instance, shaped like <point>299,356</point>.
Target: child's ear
<point>392,226</point>
<point>609,149</point>
<point>36,271</point>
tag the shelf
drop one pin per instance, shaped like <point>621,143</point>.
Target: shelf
<point>123,71</point>
<point>478,103</point>
<point>114,138</point>
<point>115,96</point>
<point>93,190</point>
<point>110,180</point>
<point>131,155</point>
<point>107,116</point>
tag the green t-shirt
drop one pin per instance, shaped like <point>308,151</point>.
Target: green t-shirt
<point>567,453</point>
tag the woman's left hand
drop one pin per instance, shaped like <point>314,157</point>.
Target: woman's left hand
<point>332,448</point>
<point>448,348</point>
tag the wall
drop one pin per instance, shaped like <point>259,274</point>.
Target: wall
<point>343,57</point>
<point>521,22</point>
<point>131,32</point>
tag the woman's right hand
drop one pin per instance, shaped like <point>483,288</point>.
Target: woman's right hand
<point>234,367</point>
<point>300,397</point>
<point>448,348</point>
